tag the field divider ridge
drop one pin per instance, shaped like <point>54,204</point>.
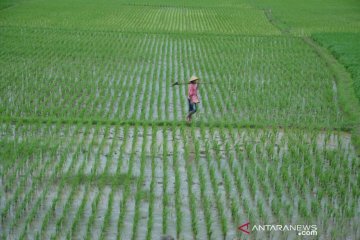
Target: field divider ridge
<point>231,124</point>
<point>182,34</point>
<point>348,102</point>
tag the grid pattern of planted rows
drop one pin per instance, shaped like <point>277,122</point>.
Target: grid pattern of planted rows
<point>187,3</point>
<point>141,18</point>
<point>138,182</point>
<point>117,76</point>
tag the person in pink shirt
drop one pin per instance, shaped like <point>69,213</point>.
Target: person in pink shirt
<point>193,98</point>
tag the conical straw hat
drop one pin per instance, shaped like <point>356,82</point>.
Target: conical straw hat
<point>193,78</point>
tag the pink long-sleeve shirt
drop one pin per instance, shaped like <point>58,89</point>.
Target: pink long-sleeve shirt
<point>192,93</point>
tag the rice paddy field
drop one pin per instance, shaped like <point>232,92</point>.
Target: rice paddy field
<point>94,142</point>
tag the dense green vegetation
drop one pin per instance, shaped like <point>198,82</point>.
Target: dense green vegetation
<point>93,139</point>
<point>346,48</point>
<point>7,3</point>
<point>117,16</point>
<point>311,16</point>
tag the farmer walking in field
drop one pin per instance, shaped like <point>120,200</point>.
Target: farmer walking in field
<point>193,98</point>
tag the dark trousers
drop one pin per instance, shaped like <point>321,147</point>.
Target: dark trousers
<point>192,108</point>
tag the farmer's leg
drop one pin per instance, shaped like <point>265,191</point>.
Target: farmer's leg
<point>194,109</point>
<point>188,117</point>
<point>190,105</point>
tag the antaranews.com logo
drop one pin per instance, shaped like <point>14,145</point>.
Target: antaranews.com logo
<point>301,230</point>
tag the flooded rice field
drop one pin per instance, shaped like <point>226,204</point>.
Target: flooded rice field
<point>143,182</point>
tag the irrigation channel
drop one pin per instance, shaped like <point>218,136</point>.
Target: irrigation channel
<point>140,182</point>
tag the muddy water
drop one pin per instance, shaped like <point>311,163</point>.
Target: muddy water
<point>170,191</point>
<point>59,209</point>
<point>225,167</point>
<point>35,226</point>
<point>174,91</point>
<point>137,151</point>
<point>104,154</point>
<point>185,209</point>
<point>100,214</point>
<point>209,161</point>
<point>90,160</point>
<point>117,141</point>
<point>112,231</point>
<point>126,155</point>
<point>70,212</point>
<point>158,189</point>
<point>124,94</point>
<point>82,228</point>
<point>195,188</point>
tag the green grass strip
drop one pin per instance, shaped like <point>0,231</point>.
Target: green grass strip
<point>347,127</point>
<point>349,104</point>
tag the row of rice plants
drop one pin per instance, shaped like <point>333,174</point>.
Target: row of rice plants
<point>218,192</point>
<point>20,205</point>
<point>254,94</point>
<point>151,209</point>
<point>93,213</point>
<point>51,181</point>
<point>327,175</point>
<point>62,183</point>
<point>230,176</point>
<point>191,196</point>
<point>127,192</point>
<point>211,195</point>
<point>51,211</point>
<point>35,211</point>
<point>233,184</point>
<point>179,179</point>
<point>9,148</point>
<point>66,194</point>
<point>106,172</point>
<point>267,169</point>
<point>136,18</point>
<point>76,178</point>
<point>139,193</point>
<point>52,206</point>
<point>118,171</point>
<point>165,199</point>
<point>16,151</point>
<point>99,163</point>
<point>79,215</point>
<point>99,174</point>
<point>28,187</point>
<point>114,88</point>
